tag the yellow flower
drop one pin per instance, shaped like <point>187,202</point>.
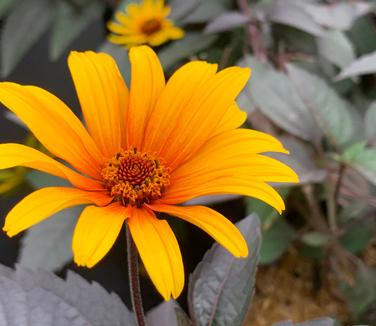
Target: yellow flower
<point>145,150</point>
<point>144,23</point>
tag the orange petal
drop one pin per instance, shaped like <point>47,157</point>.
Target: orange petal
<point>240,142</point>
<point>184,88</point>
<point>127,40</point>
<point>224,185</point>
<point>173,32</point>
<point>45,202</point>
<point>54,124</point>
<point>147,84</point>
<point>159,251</point>
<point>96,232</point>
<point>233,118</point>
<point>235,153</point>
<point>248,167</point>
<point>103,97</point>
<point>12,155</point>
<point>229,163</point>
<point>212,222</point>
<point>203,110</point>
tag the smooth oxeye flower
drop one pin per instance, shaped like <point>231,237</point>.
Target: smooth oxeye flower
<point>144,23</point>
<point>145,150</point>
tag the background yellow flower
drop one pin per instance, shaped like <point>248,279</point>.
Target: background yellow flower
<point>144,23</point>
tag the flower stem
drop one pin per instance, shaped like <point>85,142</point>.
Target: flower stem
<point>255,38</point>
<point>134,280</point>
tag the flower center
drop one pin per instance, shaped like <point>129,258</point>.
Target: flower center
<point>151,26</point>
<point>135,178</point>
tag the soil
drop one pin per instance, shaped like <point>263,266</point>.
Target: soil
<point>294,289</point>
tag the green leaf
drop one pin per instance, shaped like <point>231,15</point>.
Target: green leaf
<point>293,14</point>
<point>370,122</point>
<point>226,21</point>
<point>206,11</point>
<point>41,298</point>
<point>339,15</point>
<point>332,114</point>
<point>336,47</point>
<point>362,66</point>
<point>275,95</point>
<point>69,23</point>
<point>80,3</point>
<point>22,28</point>
<point>363,35</point>
<point>301,103</point>
<point>182,8</point>
<point>301,160</point>
<point>361,295</point>
<point>358,237</point>
<point>315,239</point>
<point>184,48</point>
<point>167,313</point>
<point>48,245</point>
<point>295,39</point>
<point>221,287</point>
<point>353,210</point>
<point>314,253</point>
<point>362,159</point>
<point>40,180</point>
<point>6,6</point>
<point>275,241</point>
<point>353,151</point>
<point>267,214</point>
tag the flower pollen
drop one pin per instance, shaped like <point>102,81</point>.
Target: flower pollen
<point>135,178</point>
<point>151,26</point>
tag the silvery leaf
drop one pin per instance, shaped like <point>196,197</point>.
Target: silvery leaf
<point>221,287</point>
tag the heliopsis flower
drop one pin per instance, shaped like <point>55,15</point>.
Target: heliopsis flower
<point>145,150</point>
<point>144,23</point>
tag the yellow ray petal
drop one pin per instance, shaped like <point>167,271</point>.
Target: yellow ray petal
<point>232,148</point>
<point>123,19</point>
<point>181,89</point>
<point>134,9</point>
<point>54,124</point>
<point>179,193</point>
<point>103,97</point>
<point>173,32</point>
<point>212,222</point>
<point>229,163</point>
<point>127,40</point>
<point>96,231</point>
<point>202,108</point>
<point>117,28</point>
<point>12,155</point>
<point>240,142</point>
<point>233,118</point>
<point>45,202</point>
<point>206,114</point>
<point>159,251</point>
<point>158,38</point>
<point>251,167</point>
<point>147,84</point>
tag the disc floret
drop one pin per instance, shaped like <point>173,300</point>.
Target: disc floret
<point>135,178</point>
